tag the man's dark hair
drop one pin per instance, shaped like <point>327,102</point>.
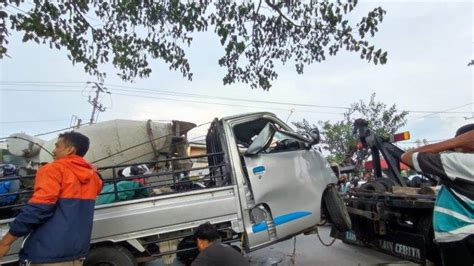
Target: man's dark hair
<point>207,232</point>
<point>77,140</point>
<point>464,129</point>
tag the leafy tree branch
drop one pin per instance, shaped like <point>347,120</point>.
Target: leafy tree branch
<point>254,35</point>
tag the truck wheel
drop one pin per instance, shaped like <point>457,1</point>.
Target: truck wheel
<point>374,186</point>
<point>110,256</point>
<point>387,183</point>
<point>337,209</point>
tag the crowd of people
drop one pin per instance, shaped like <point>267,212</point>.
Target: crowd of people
<point>348,182</point>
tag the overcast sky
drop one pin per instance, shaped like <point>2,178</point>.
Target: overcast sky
<point>429,44</point>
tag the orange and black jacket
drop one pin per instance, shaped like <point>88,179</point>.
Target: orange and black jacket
<point>57,221</point>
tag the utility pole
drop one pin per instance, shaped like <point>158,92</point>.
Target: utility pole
<point>292,110</point>
<point>96,105</point>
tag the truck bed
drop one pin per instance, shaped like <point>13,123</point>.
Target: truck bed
<point>161,214</point>
<point>157,215</point>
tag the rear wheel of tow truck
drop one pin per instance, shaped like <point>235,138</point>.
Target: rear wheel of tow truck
<point>110,256</point>
<point>387,183</point>
<point>374,186</point>
<point>336,209</point>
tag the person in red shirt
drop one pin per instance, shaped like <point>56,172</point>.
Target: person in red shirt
<point>57,221</point>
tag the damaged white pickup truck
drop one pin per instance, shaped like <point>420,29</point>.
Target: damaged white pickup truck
<point>263,183</point>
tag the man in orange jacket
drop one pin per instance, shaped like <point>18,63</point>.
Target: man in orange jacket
<point>57,221</point>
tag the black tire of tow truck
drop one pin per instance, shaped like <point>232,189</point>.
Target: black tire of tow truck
<point>373,186</point>
<point>110,255</point>
<point>387,183</point>
<point>337,209</point>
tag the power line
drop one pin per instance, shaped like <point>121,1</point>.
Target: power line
<point>222,104</point>
<point>213,103</point>
<point>18,9</point>
<point>9,11</point>
<point>30,121</point>
<point>181,100</point>
<point>55,131</point>
<point>169,99</point>
<point>44,85</point>
<point>229,98</point>
<point>422,141</point>
<point>38,90</point>
<point>445,111</point>
<point>181,94</point>
<point>50,132</point>
<point>257,101</point>
<point>43,82</point>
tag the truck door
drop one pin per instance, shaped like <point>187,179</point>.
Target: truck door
<point>287,180</point>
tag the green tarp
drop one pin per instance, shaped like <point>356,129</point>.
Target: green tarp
<point>126,190</point>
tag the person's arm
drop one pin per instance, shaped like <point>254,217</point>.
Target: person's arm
<point>464,142</point>
<point>6,243</point>
<point>42,204</point>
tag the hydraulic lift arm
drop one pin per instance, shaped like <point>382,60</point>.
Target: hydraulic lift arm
<point>377,146</point>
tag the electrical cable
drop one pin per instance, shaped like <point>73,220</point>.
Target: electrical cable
<point>18,9</point>
<point>39,145</point>
<point>445,111</point>
<point>223,104</point>
<point>225,98</point>
<point>171,93</point>
<point>30,121</point>
<point>43,82</point>
<point>59,130</point>
<point>42,90</point>
<point>41,85</point>
<point>180,94</point>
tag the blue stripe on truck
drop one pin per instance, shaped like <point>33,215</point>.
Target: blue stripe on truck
<point>279,220</point>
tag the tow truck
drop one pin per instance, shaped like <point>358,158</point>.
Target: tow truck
<point>386,213</point>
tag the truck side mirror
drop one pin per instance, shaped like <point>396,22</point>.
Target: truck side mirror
<point>262,141</point>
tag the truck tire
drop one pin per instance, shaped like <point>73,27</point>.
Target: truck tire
<point>110,255</point>
<point>374,186</point>
<point>336,209</point>
<point>387,183</point>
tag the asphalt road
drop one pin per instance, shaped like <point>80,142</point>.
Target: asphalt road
<point>309,251</point>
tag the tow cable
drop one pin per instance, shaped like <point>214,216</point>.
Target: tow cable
<point>324,244</point>
<point>319,237</point>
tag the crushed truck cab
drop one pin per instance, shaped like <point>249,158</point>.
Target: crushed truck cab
<point>281,179</point>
